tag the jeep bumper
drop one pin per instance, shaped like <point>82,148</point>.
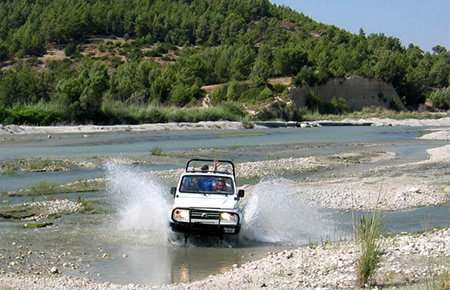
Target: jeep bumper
<point>204,229</point>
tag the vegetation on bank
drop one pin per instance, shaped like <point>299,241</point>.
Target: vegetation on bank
<point>368,237</point>
<point>374,112</point>
<point>111,62</point>
<point>46,188</point>
<point>10,168</point>
<point>118,113</point>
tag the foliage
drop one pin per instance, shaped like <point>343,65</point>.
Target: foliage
<point>43,188</point>
<point>372,112</point>
<point>441,98</point>
<point>91,207</point>
<point>117,113</point>
<point>39,114</point>
<point>161,53</point>
<point>19,211</point>
<point>313,102</point>
<point>157,150</point>
<point>368,236</point>
<point>80,97</point>
<point>36,225</point>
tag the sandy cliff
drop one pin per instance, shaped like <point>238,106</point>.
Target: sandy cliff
<point>356,91</point>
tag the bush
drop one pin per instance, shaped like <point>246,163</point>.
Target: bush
<point>251,95</point>
<point>370,250</point>
<point>441,99</point>
<point>266,93</point>
<point>219,95</point>
<point>182,94</point>
<point>39,114</point>
<point>157,150</point>
<point>117,113</point>
<point>4,114</point>
<point>336,106</point>
<point>70,50</point>
<point>313,102</point>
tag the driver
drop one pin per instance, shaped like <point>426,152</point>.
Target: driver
<point>219,185</point>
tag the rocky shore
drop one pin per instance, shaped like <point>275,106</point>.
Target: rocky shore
<point>204,125</point>
<point>409,261</point>
<point>22,129</point>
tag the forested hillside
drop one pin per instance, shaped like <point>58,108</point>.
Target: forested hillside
<point>130,61</point>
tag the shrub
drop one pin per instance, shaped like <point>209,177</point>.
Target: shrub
<point>39,114</point>
<point>219,95</point>
<point>70,49</point>
<point>370,249</point>
<point>266,93</point>
<point>441,99</point>
<point>117,113</point>
<point>337,106</point>
<point>313,102</point>
<point>157,150</point>
<point>251,95</point>
<point>247,123</point>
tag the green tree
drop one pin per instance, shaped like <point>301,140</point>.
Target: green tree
<point>182,94</point>
<point>3,51</point>
<point>260,73</point>
<point>289,61</point>
<point>241,62</point>
<point>80,97</point>
<point>441,99</point>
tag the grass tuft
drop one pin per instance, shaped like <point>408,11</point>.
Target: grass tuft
<point>36,225</point>
<point>367,236</point>
<point>157,150</point>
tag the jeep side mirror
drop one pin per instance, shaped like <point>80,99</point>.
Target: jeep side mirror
<point>173,190</point>
<point>240,193</point>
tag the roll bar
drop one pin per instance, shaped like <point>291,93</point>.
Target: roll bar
<point>211,161</point>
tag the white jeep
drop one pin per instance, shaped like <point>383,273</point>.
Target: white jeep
<point>206,201</point>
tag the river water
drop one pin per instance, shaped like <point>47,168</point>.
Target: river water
<point>133,243</point>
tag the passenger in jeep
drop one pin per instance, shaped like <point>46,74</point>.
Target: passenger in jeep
<point>205,183</point>
<point>190,184</point>
<point>219,185</point>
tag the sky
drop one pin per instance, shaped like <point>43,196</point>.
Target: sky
<point>425,23</point>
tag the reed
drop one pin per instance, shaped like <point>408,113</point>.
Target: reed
<point>367,237</point>
<point>157,150</point>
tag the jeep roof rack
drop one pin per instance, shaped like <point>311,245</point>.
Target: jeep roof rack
<point>212,162</point>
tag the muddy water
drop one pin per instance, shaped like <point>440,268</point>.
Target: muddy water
<point>133,244</point>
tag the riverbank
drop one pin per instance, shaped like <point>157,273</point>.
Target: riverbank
<point>358,177</point>
<point>409,261</point>
<point>205,125</point>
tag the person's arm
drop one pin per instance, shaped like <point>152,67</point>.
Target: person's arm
<point>216,164</point>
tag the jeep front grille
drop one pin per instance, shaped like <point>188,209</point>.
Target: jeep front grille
<point>204,216</point>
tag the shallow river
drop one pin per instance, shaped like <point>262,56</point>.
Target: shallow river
<point>134,244</point>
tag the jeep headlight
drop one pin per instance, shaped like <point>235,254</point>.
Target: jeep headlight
<point>180,215</point>
<point>228,218</point>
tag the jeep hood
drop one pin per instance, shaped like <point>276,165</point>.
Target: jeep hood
<point>208,201</point>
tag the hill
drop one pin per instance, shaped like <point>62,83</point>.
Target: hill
<point>120,61</point>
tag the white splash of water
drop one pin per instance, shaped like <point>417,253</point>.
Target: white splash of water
<point>276,212</point>
<point>141,203</point>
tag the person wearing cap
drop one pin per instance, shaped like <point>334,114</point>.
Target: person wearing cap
<point>205,168</point>
<point>206,183</point>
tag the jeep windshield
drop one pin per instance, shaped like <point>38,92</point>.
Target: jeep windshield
<point>207,184</point>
